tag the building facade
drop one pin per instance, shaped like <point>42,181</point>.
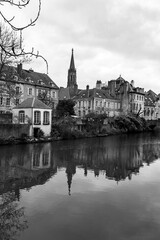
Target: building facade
<point>17,85</point>
<point>35,113</point>
<point>97,101</point>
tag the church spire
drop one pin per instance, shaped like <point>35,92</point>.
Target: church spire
<point>72,76</point>
<point>72,66</point>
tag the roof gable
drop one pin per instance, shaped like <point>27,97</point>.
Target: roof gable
<point>32,103</point>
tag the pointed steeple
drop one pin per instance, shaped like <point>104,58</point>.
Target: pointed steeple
<point>72,66</point>
<point>72,76</point>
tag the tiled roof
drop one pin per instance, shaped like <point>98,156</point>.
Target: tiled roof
<point>28,77</point>
<point>93,93</point>
<point>149,101</point>
<point>120,79</point>
<point>63,93</point>
<point>32,103</point>
<point>152,95</point>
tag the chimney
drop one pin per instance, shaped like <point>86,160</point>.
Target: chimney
<point>132,83</point>
<point>19,69</point>
<point>98,84</point>
<point>87,89</point>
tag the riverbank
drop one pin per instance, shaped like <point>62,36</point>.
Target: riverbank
<point>67,130</point>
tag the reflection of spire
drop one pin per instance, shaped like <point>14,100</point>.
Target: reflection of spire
<point>85,170</point>
<point>69,178</point>
<point>70,170</point>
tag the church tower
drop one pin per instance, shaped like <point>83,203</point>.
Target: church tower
<point>72,76</point>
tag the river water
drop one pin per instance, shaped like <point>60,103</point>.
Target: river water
<point>88,189</point>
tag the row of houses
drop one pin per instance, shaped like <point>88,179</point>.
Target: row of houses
<point>32,97</point>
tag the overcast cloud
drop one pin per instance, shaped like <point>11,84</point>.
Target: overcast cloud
<point>109,37</point>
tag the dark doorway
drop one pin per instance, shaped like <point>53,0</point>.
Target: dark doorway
<point>36,132</point>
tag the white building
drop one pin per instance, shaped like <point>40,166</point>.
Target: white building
<point>34,112</point>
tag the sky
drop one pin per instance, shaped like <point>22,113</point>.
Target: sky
<point>109,37</point>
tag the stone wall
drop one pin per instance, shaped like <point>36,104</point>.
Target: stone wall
<point>14,130</point>
<point>5,118</point>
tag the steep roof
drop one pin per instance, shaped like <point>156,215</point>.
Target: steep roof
<point>72,65</point>
<point>32,103</point>
<point>152,95</point>
<point>149,101</point>
<point>31,77</point>
<point>63,93</point>
<point>120,79</point>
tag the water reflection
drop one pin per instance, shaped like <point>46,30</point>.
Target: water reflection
<point>25,166</point>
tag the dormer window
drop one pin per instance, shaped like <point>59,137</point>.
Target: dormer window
<point>52,84</point>
<point>15,78</point>
<point>40,81</point>
<point>28,79</point>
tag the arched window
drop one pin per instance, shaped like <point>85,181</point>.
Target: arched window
<point>46,118</point>
<point>21,116</point>
<point>37,117</point>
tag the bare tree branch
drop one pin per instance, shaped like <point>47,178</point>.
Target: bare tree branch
<point>23,53</point>
<point>13,50</point>
<point>20,5</point>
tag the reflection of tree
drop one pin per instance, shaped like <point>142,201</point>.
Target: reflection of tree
<point>12,218</point>
<point>150,153</point>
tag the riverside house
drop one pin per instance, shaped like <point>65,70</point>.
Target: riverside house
<point>35,113</point>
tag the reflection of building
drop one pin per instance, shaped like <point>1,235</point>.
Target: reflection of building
<point>30,165</point>
<point>41,159</point>
<point>116,159</point>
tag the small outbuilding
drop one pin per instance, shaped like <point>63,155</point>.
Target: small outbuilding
<point>34,112</point>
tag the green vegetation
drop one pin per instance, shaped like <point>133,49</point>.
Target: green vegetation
<point>65,128</point>
<point>65,108</point>
<point>97,125</point>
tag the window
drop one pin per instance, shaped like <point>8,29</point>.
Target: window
<point>17,90</point>
<point>8,101</point>
<point>21,116</point>
<point>54,94</point>
<point>37,118</point>
<point>45,159</point>
<point>36,160</point>
<point>1,101</point>
<point>39,92</point>
<point>17,101</point>
<point>29,91</point>
<point>46,118</point>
